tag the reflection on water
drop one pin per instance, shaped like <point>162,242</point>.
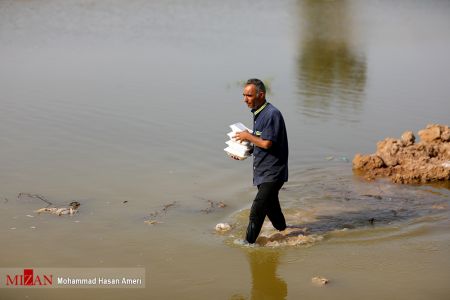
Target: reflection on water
<point>266,284</point>
<point>331,71</point>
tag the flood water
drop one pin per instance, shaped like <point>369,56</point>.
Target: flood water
<point>124,107</point>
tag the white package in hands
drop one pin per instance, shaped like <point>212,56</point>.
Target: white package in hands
<point>238,149</point>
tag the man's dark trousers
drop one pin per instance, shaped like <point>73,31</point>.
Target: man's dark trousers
<point>266,203</point>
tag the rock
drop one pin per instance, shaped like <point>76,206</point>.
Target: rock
<point>320,281</point>
<point>367,162</point>
<point>445,150</point>
<point>359,161</point>
<point>387,150</point>
<point>222,227</point>
<point>430,134</point>
<point>408,138</point>
<point>445,135</point>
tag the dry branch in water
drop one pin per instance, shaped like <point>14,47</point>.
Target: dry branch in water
<point>157,213</point>
<point>36,196</point>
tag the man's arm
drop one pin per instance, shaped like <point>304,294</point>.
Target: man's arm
<point>255,140</point>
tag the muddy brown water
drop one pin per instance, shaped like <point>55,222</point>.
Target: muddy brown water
<point>124,107</point>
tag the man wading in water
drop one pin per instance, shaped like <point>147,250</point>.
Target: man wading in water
<point>270,158</point>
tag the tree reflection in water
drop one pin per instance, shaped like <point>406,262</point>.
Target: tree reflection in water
<point>331,69</point>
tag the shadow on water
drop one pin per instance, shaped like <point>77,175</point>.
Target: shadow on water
<point>347,204</point>
<point>352,220</point>
<point>266,284</point>
<point>331,70</point>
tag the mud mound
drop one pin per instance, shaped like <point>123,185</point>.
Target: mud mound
<point>404,161</point>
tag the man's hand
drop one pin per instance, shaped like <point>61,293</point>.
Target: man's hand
<point>235,157</point>
<point>242,136</point>
<point>255,140</point>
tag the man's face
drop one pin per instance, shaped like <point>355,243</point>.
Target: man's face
<point>252,99</point>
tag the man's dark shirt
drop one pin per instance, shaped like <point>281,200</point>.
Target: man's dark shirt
<point>271,164</point>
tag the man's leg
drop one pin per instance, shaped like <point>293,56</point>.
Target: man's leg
<point>267,193</point>
<point>257,214</point>
<point>274,210</point>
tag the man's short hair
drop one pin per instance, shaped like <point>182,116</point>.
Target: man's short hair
<point>260,87</point>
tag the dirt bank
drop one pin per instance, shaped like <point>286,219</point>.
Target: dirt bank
<point>404,161</point>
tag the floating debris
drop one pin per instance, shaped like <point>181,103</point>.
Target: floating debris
<point>440,206</point>
<point>157,213</point>
<point>344,159</point>
<point>33,227</point>
<point>167,206</point>
<point>341,158</point>
<point>212,206</point>
<point>29,216</point>
<point>70,210</point>
<point>151,222</point>
<point>320,281</point>
<point>373,196</point>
